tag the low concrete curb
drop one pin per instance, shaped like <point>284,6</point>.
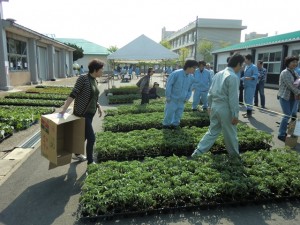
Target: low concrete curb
<point>13,160</point>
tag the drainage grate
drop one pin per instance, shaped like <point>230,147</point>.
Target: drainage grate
<point>31,142</point>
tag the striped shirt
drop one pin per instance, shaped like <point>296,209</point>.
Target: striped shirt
<point>82,93</point>
<point>262,72</point>
<point>286,85</point>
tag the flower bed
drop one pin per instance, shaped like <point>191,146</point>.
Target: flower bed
<point>31,102</point>
<point>21,117</point>
<point>114,188</point>
<point>125,90</point>
<point>129,122</point>
<point>51,90</point>
<point>37,96</point>
<point>123,99</point>
<point>155,105</point>
<point>138,144</point>
<point>5,131</point>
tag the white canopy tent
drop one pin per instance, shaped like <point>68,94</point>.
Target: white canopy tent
<point>142,49</point>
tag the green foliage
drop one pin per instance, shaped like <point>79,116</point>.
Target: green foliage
<point>183,54</point>
<point>123,99</point>
<point>112,49</point>
<point>20,117</point>
<point>37,96</point>
<point>138,144</point>
<point>51,90</point>
<point>166,44</point>
<point>125,90</point>
<point>31,102</point>
<point>224,44</point>
<point>141,121</point>
<point>155,105</point>
<point>167,182</point>
<point>205,48</point>
<point>5,131</point>
<point>78,53</point>
<point>21,110</point>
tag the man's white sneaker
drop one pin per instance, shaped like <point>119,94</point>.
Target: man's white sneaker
<point>80,157</point>
<point>196,153</point>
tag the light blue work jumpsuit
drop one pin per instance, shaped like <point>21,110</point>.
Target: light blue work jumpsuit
<point>178,91</point>
<point>201,86</point>
<point>250,85</point>
<point>224,103</point>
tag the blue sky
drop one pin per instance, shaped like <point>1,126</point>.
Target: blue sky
<point>118,22</point>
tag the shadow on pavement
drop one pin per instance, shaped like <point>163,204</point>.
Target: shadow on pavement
<point>43,202</point>
<point>260,126</point>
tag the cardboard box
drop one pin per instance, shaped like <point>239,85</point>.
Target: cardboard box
<point>60,137</point>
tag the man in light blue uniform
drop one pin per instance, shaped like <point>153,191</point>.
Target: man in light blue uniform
<point>250,81</point>
<point>168,70</point>
<point>178,91</point>
<point>201,86</point>
<point>137,72</point>
<point>223,108</point>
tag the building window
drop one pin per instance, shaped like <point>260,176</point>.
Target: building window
<point>272,61</point>
<point>272,67</point>
<point>17,54</point>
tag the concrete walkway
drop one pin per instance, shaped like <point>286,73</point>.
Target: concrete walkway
<point>30,194</point>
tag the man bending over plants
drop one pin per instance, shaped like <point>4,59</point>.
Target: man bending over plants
<point>223,108</point>
<point>178,92</point>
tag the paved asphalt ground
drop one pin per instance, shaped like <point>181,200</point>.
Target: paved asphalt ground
<point>30,194</point>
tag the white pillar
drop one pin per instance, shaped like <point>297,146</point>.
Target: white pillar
<point>4,64</point>
<point>51,54</point>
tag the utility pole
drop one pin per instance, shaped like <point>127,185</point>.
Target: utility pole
<point>196,38</point>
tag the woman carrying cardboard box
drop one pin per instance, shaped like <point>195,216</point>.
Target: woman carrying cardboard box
<point>85,96</point>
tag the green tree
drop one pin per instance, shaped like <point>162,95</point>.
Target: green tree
<point>205,48</point>
<point>224,44</point>
<point>78,53</point>
<point>166,44</point>
<point>183,53</point>
<point>112,49</point>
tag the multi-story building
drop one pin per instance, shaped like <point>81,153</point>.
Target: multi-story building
<point>221,32</point>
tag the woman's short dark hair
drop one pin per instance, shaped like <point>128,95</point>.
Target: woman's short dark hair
<point>290,59</point>
<point>149,70</point>
<point>190,63</point>
<point>95,65</point>
<point>235,60</point>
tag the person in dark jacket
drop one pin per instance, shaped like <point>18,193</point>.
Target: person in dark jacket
<point>144,86</point>
<point>153,90</point>
<point>241,87</point>
<point>85,93</point>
